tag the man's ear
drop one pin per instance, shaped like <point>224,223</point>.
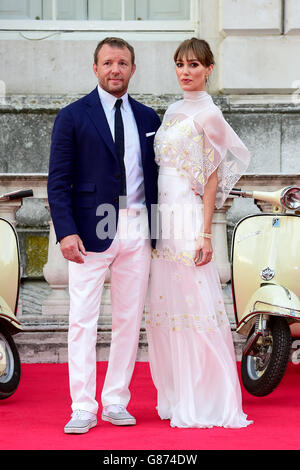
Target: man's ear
<point>95,69</point>
<point>133,70</point>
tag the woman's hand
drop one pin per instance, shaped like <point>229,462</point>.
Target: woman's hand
<point>204,251</point>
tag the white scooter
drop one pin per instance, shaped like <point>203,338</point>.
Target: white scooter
<point>10,367</point>
<point>266,286</point>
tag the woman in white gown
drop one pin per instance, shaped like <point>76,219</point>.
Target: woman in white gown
<point>191,351</point>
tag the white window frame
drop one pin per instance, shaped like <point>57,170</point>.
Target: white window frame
<point>107,25</point>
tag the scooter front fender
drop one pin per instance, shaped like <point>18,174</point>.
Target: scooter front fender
<point>270,299</point>
<point>8,317</point>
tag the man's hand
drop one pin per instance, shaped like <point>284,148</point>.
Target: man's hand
<point>72,247</point>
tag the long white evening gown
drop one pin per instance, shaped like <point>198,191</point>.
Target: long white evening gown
<point>191,351</point>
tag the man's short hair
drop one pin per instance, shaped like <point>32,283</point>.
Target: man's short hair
<point>114,42</point>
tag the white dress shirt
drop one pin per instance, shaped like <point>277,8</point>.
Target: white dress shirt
<point>132,156</point>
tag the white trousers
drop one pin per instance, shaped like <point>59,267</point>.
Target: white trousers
<point>128,258</point>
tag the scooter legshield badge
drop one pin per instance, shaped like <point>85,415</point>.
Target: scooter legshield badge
<point>267,274</point>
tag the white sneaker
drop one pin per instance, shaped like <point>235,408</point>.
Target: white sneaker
<point>118,415</point>
<point>81,422</point>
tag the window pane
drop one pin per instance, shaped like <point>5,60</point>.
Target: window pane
<point>104,9</point>
<point>71,9</point>
<point>162,9</point>
<point>20,9</point>
<point>139,9</point>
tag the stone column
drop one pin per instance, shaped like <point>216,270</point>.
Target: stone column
<point>56,274</point>
<point>220,245</point>
<point>221,257</point>
<point>8,210</point>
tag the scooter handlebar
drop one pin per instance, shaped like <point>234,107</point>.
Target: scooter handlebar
<point>241,193</point>
<point>20,194</point>
<point>235,192</point>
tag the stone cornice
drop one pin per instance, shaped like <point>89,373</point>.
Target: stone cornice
<point>228,103</point>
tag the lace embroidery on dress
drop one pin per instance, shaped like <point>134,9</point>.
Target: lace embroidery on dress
<point>168,254</point>
<point>195,139</point>
<point>192,317</point>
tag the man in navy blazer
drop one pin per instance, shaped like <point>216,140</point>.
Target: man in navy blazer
<point>102,177</point>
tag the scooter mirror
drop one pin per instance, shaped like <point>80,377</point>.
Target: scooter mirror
<point>290,198</point>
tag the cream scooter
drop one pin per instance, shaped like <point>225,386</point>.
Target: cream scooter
<point>265,269</point>
<point>10,368</point>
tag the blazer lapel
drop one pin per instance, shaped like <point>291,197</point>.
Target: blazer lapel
<point>97,115</point>
<point>138,115</point>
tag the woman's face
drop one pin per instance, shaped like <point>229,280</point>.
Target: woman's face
<point>191,74</point>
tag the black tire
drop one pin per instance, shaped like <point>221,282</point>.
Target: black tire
<point>10,379</point>
<point>262,382</point>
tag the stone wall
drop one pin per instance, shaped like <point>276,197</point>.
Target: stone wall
<point>268,124</point>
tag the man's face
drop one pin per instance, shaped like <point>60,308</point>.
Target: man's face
<point>114,69</point>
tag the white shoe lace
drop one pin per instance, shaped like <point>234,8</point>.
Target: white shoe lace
<point>115,409</point>
<point>81,414</point>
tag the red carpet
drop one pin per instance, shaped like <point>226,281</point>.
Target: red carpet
<point>34,417</point>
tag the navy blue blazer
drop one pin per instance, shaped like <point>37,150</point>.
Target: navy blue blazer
<point>84,170</point>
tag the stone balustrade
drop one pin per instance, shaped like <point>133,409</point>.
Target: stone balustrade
<point>50,318</point>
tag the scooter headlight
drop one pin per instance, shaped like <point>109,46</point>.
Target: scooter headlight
<point>290,198</point>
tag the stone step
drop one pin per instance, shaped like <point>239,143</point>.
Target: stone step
<point>46,346</point>
<point>51,347</point>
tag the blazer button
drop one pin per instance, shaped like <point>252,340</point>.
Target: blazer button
<point>116,199</point>
<point>117,176</point>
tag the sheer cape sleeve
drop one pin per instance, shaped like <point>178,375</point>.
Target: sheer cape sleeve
<point>221,149</point>
<point>201,142</point>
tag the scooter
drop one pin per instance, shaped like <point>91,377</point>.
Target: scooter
<point>10,275</point>
<point>265,275</point>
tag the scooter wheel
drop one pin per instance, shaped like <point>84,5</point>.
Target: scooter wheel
<point>262,372</point>
<point>10,378</point>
